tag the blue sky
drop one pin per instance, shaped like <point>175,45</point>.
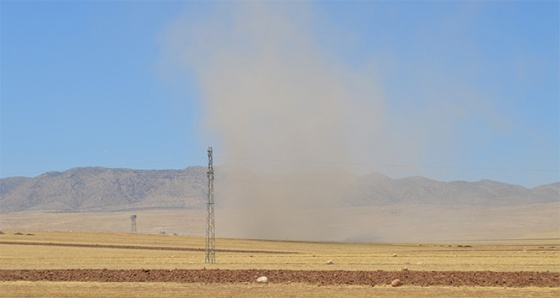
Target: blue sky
<point>470,89</point>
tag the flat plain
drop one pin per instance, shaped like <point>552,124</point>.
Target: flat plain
<point>245,260</point>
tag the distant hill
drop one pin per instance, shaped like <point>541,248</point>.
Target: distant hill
<point>97,189</point>
<point>103,189</point>
<point>425,191</point>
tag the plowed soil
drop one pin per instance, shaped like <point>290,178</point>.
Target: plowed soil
<point>372,278</point>
<point>139,247</point>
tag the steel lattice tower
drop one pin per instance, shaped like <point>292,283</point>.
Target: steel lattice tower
<point>133,223</point>
<point>210,256</point>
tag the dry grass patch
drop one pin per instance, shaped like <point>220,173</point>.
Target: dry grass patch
<point>529,256</point>
<point>97,289</point>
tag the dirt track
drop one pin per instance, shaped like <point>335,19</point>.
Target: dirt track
<point>371,278</point>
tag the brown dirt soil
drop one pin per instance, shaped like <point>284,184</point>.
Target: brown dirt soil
<point>418,278</point>
<point>139,247</point>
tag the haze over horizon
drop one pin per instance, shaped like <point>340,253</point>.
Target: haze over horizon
<point>448,91</point>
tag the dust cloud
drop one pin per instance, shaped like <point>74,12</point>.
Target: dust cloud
<point>284,112</point>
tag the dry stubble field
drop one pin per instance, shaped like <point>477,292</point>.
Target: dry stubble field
<point>64,264</point>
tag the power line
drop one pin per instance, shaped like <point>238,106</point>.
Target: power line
<point>154,162</point>
<point>386,165</point>
<point>392,165</point>
<point>77,165</point>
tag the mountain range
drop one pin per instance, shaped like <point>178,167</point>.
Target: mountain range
<point>98,189</point>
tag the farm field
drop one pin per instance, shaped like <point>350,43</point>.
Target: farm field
<point>399,223</point>
<point>525,268</point>
<point>127,289</point>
